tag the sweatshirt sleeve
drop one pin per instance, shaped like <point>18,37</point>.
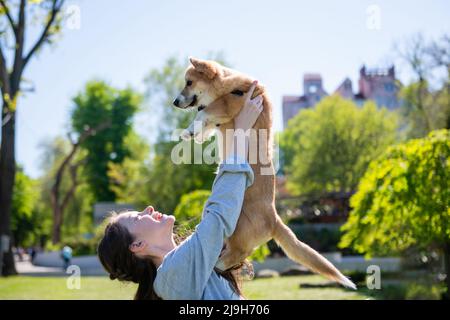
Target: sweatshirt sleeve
<point>185,270</point>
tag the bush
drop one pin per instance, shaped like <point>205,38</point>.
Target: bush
<point>421,292</point>
<point>189,211</point>
<point>81,245</point>
<point>322,239</point>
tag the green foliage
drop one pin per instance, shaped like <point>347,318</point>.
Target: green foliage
<point>324,239</point>
<point>426,99</point>
<point>189,213</point>
<point>98,104</point>
<point>130,177</point>
<point>163,85</point>
<point>328,147</point>
<point>189,210</point>
<point>25,220</point>
<point>403,198</point>
<point>82,245</point>
<point>167,181</point>
<point>260,253</point>
<point>417,291</point>
<point>424,109</point>
<point>78,214</point>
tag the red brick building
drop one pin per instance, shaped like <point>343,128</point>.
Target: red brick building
<point>379,85</point>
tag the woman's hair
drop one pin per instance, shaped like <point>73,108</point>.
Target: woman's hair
<point>122,264</point>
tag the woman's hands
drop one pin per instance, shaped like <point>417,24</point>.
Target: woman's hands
<point>250,111</point>
<point>242,123</point>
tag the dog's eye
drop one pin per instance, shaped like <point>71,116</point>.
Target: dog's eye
<point>201,108</point>
<point>237,92</point>
<point>188,83</point>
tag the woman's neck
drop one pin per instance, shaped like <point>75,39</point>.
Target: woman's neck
<point>164,250</point>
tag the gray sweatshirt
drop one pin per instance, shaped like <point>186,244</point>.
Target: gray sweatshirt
<point>187,272</point>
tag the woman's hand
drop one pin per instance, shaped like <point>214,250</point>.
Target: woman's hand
<point>243,122</point>
<point>250,111</point>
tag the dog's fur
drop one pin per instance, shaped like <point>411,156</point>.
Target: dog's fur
<point>219,94</point>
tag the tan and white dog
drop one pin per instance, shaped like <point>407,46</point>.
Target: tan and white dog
<point>218,94</point>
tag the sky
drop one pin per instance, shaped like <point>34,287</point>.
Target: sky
<point>273,41</point>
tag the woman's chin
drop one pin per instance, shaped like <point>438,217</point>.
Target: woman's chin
<point>169,218</point>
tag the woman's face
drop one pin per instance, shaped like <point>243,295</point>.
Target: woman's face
<point>149,225</point>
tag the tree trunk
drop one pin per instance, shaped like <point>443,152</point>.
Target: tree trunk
<point>446,295</point>
<point>57,224</point>
<point>7,176</point>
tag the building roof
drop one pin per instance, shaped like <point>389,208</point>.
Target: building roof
<point>312,76</point>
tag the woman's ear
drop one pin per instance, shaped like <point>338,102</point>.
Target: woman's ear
<point>142,248</point>
<point>138,246</point>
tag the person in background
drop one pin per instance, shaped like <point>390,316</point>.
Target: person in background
<point>66,255</point>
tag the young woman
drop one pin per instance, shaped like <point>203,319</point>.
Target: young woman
<point>140,246</point>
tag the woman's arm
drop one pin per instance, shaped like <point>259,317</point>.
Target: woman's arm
<point>186,270</point>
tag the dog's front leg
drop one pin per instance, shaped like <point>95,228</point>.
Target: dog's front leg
<point>200,129</point>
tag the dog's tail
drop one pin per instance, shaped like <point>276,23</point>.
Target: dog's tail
<point>307,256</point>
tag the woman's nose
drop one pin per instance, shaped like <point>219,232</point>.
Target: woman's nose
<point>149,210</point>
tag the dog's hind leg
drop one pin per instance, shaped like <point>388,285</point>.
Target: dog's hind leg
<point>251,231</point>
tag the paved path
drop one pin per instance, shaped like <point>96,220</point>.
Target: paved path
<point>88,267</point>
<point>26,268</point>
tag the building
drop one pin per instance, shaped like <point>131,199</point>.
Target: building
<point>313,93</point>
<point>376,84</point>
<point>379,85</point>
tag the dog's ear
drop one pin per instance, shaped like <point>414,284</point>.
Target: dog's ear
<point>205,67</point>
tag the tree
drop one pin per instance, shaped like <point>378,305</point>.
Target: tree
<point>17,21</point>
<point>60,200</point>
<point>98,105</point>
<point>77,213</point>
<point>24,220</point>
<point>426,100</point>
<point>169,181</point>
<point>403,200</point>
<point>132,176</point>
<point>328,147</point>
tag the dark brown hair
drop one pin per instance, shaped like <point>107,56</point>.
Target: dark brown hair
<point>122,264</point>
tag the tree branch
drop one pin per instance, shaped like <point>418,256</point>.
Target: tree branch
<point>59,174</point>
<point>73,174</point>
<point>5,89</point>
<point>8,15</point>
<point>56,7</point>
<point>18,58</point>
<point>4,76</point>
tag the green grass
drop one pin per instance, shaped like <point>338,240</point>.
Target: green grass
<point>102,288</point>
<point>288,288</point>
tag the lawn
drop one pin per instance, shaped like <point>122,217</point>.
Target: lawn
<point>102,288</point>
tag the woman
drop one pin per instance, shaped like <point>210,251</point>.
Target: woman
<point>140,246</point>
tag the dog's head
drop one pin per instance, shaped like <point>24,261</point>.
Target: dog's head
<point>219,112</point>
<point>199,89</point>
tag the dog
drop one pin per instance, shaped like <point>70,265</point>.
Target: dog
<point>218,94</point>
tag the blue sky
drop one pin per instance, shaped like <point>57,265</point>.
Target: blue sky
<point>274,41</point>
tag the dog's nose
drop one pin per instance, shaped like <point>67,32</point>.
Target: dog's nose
<point>176,102</point>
